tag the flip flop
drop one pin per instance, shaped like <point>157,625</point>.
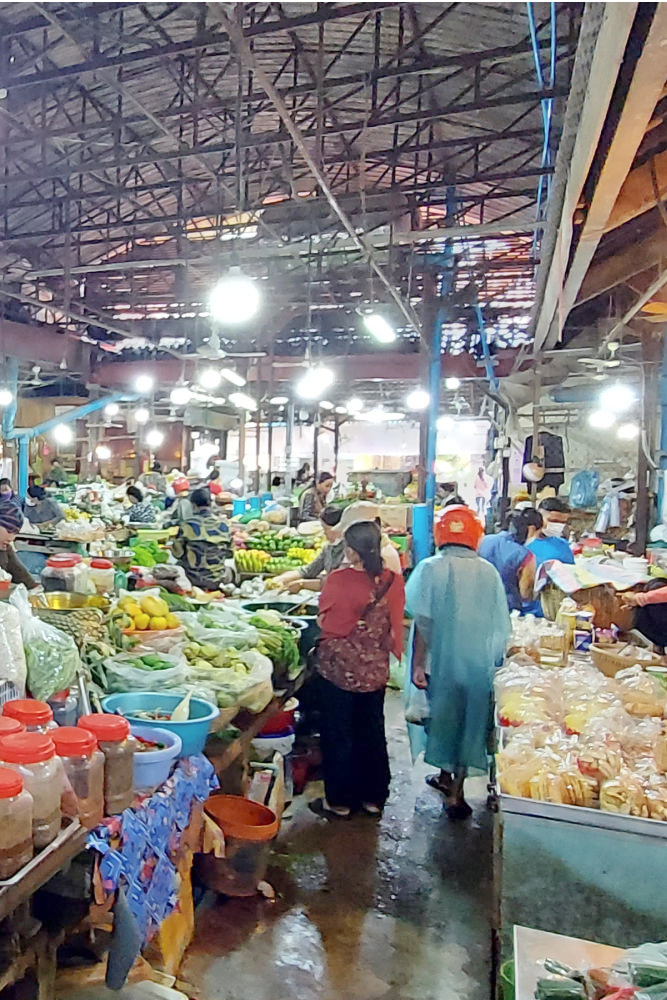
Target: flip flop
<point>319,807</point>
<point>433,781</point>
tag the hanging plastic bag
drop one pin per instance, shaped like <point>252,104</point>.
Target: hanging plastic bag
<point>417,708</point>
<point>583,488</point>
<point>51,656</point>
<point>12,658</point>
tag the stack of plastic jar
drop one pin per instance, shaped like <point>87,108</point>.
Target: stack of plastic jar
<point>15,823</point>
<point>9,726</point>
<point>114,739</point>
<point>33,755</point>
<point>36,716</point>
<point>84,766</point>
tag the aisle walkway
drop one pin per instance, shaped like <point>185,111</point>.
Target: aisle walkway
<point>396,910</point>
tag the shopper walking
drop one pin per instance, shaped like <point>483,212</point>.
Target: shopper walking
<point>507,551</point>
<point>461,629</point>
<point>361,616</point>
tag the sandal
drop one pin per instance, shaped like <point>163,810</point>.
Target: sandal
<point>370,809</point>
<point>433,781</point>
<point>321,808</point>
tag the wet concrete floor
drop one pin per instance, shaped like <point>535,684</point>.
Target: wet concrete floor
<point>399,910</point>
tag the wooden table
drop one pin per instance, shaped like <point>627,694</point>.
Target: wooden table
<point>531,947</point>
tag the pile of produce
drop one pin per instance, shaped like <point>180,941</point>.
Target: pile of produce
<point>278,640</point>
<point>576,737</point>
<point>148,553</point>
<point>262,549</point>
<point>638,974</point>
<point>203,656</point>
<point>147,613</point>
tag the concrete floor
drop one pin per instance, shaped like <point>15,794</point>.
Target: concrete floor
<point>398,910</point>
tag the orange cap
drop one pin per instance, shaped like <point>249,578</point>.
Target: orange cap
<point>457,525</point>
<point>29,711</point>
<point>9,726</point>
<point>26,748</point>
<point>70,741</point>
<point>11,783</point>
<point>106,728</point>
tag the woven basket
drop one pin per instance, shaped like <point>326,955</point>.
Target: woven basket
<point>610,662</point>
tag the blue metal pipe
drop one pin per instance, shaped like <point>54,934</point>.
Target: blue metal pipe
<point>11,383</point>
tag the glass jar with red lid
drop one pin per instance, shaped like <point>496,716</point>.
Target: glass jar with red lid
<point>65,572</point>
<point>33,756</point>
<point>15,823</point>
<point>116,742</point>
<point>36,716</point>
<point>84,766</point>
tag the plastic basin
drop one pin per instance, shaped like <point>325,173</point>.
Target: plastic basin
<point>249,830</point>
<point>152,767</point>
<point>193,732</point>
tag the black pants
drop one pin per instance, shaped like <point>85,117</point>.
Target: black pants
<point>354,747</point>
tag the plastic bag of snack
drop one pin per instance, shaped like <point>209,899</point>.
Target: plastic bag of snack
<point>624,794</point>
<point>641,694</point>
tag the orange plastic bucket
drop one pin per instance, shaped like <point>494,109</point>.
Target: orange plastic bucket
<point>242,818</point>
<point>249,830</point>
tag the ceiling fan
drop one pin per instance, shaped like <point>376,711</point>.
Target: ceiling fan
<point>598,363</point>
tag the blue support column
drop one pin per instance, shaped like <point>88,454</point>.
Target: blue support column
<point>24,464</point>
<point>434,374</point>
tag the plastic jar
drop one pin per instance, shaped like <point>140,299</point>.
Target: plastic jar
<point>114,739</point>
<point>84,766</point>
<point>65,708</point>
<point>33,755</point>
<point>64,572</point>
<point>15,823</point>
<point>35,715</point>
<point>9,726</point>
<point>101,575</point>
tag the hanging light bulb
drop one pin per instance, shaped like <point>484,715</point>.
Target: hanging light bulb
<point>235,299</point>
<point>355,405</point>
<point>144,384</point>
<point>315,382</point>
<point>180,395</point>
<point>617,398</point>
<point>6,397</point>
<point>628,432</point>
<point>279,400</point>
<point>154,438</point>
<point>326,404</point>
<point>141,415</point>
<point>103,452</point>
<point>209,379</point>
<point>379,328</point>
<point>111,410</point>
<point>418,399</point>
<point>453,383</point>
<point>63,434</point>
<point>242,400</point>
<point>602,420</point>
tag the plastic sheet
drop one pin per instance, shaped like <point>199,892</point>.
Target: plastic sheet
<point>51,656</point>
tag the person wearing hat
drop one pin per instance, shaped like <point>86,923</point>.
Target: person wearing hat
<point>313,499</point>
<point>366,510</point>
<point>312,576</point>
<point>460,633</point>
<point>181,507</point>
<point>11,521</point>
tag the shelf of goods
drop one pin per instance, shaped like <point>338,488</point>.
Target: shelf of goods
<point>582,828</point>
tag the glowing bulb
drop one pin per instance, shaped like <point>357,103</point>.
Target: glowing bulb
<point>325,404</point>
<point>379,328</point>
<point>446,423</point>
<point>243,401</point>
<point>341,410</point>
<point>144,384</point>
<point>111,410</point>
<point>355,405</point>
<point>63,434</point>
<point>418,399</point>
<point>628,432</point>
<point>141,415</point>
<point>279,400</point>
<point>6,397</point>
<point>618,398</point>
<point>452,383</point>
<point>231,376</point>
<point>180,395</point>
<point>315,382</point>
<point>209,379</point>
<point>602,420</point>
<point>154,438</point>
<point>235,299</point>
<point>103,452</point>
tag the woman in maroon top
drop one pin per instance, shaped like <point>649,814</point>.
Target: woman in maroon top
<point>361,616</point>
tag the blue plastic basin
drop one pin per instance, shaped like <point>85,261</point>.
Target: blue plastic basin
<point>152,767</point>
<point>193,733</point>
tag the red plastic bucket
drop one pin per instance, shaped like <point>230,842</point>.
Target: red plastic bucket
<point>250,829</point>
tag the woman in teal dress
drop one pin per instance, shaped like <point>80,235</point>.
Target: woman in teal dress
<point>461,629</point>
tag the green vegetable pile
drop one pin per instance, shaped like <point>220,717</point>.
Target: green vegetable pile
<point>278,640</point>
<point>175,602</point>
<point>150,661</point>
<point>148,553</point>
<point>203,656</point>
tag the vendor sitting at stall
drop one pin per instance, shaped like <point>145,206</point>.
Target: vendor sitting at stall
<point>11,520</point>
<point>547,543</point>
<point>141,509</point>
<point>314,497</point>
<point>178,502</point>
<point>7,493</point>
<point>203,544</point>
<point>312,577</point>
<point>41,509</point>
